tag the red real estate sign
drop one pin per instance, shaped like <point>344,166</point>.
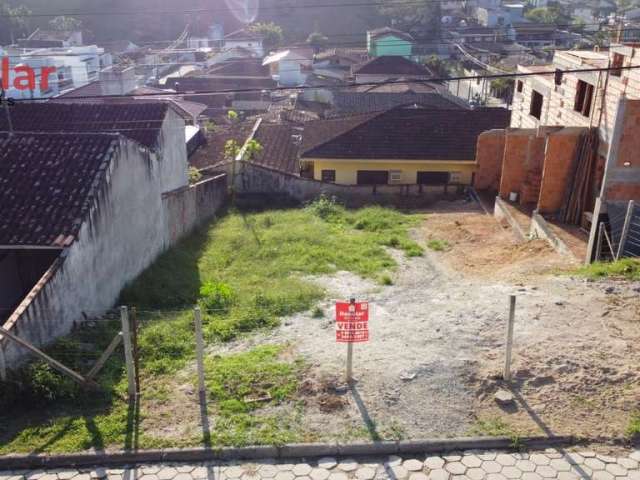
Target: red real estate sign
<point>352,322</point>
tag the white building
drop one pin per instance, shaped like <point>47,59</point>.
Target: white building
<point>245,39</point>
<point>74,67</point>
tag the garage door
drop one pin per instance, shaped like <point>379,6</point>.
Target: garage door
<point>373,177</point>
<point>433,178</point>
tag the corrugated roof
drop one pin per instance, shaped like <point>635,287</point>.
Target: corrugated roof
<point>48,183</point>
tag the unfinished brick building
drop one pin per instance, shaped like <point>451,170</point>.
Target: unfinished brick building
<point>543,166</point>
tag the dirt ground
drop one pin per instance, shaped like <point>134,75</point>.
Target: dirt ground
<point>437,342</point>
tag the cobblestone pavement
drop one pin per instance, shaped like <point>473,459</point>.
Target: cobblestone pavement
<point>548,464</point>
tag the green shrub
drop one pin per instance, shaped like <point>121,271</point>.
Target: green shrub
<point>386,280</point>
<point>194,175</point>
<point>317,313</point>
<point>215,296</point>
<point>633,429</point>
<point>326,208</point>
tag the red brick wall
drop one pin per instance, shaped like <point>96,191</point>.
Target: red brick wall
<point>489,155</point>
<point>561,149</point>
<point>629,149</point>
<point>514,164</point>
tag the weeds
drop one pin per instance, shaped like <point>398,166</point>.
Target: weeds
<point>627,268</point>
<point>633,429</point>
<point>438,245</point>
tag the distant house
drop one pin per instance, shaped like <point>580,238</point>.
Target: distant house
<point>406,145</point>
<point>290,67</point>
<point>383,68</point>
<point>389,41</point>
<point>52,39</point>
<point>246,39</point>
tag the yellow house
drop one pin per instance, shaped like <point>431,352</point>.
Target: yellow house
<point>402,146</point>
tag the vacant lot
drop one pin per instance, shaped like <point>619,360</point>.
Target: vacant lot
<point>439,282</point>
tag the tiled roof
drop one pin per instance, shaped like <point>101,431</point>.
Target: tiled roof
<point>140,121</point>
<point>403,133</point>
<point>47,184</point>
<point>92,89</point>
<point>391,65</point>
<point>353,55</point>
<point>279,147</point>
<point>217,83</point>
<point>251,67</point>
<point>346,102</point>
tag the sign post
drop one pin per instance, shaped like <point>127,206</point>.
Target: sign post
<point>352,326</point>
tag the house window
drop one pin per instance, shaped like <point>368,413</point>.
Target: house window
<point>535,110</point>
<point>584,97</point>
<point>328,176</point>
<point>372,177</point>
<point>617,64</point>
<point>520,86</point>
<point>433,178</point>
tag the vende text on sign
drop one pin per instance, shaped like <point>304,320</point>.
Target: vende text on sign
<point>352,322</point>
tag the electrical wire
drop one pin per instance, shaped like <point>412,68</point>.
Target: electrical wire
<point>196,93</point>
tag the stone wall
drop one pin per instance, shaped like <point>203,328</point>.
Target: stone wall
<point>188,207</point>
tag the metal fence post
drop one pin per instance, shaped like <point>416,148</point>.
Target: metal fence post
<point>128,351</point>
<point>625,229</point>
<point>507,359</point>
<point>599,242</point>
<point>197,315</point>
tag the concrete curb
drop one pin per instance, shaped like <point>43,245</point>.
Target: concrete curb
<point>307,450</point>
<point>502,212</point>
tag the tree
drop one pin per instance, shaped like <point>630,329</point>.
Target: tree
<point>65,24</point>
<point>437,66</point>
<point>317,40</point>
<point>13,22</point>
<point>272,35</point>
<point>412,15</point>
<point>232,149</point>
<point>548,15</point>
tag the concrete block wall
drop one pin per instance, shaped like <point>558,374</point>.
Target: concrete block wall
<point>489,156</point>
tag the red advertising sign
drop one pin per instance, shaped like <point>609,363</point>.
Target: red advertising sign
<point>352,322</point>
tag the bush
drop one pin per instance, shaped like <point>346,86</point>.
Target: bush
<point>317,313</point>
<point>326,208</point>
<point>386,280</point>
<point>215,296</point>
<point>194,175</point>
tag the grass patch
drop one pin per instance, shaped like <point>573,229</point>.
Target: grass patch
<point>386,280</point>
<point>633,429</point>
<point>243,383</point>
<point>246,271</point>
<point>627,268</point>
<point>492,427</point>
<point>438,245</point>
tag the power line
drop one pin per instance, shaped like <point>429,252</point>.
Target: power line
<point>353,84</point>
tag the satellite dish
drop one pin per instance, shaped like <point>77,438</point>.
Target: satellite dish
<point>245,11</point>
